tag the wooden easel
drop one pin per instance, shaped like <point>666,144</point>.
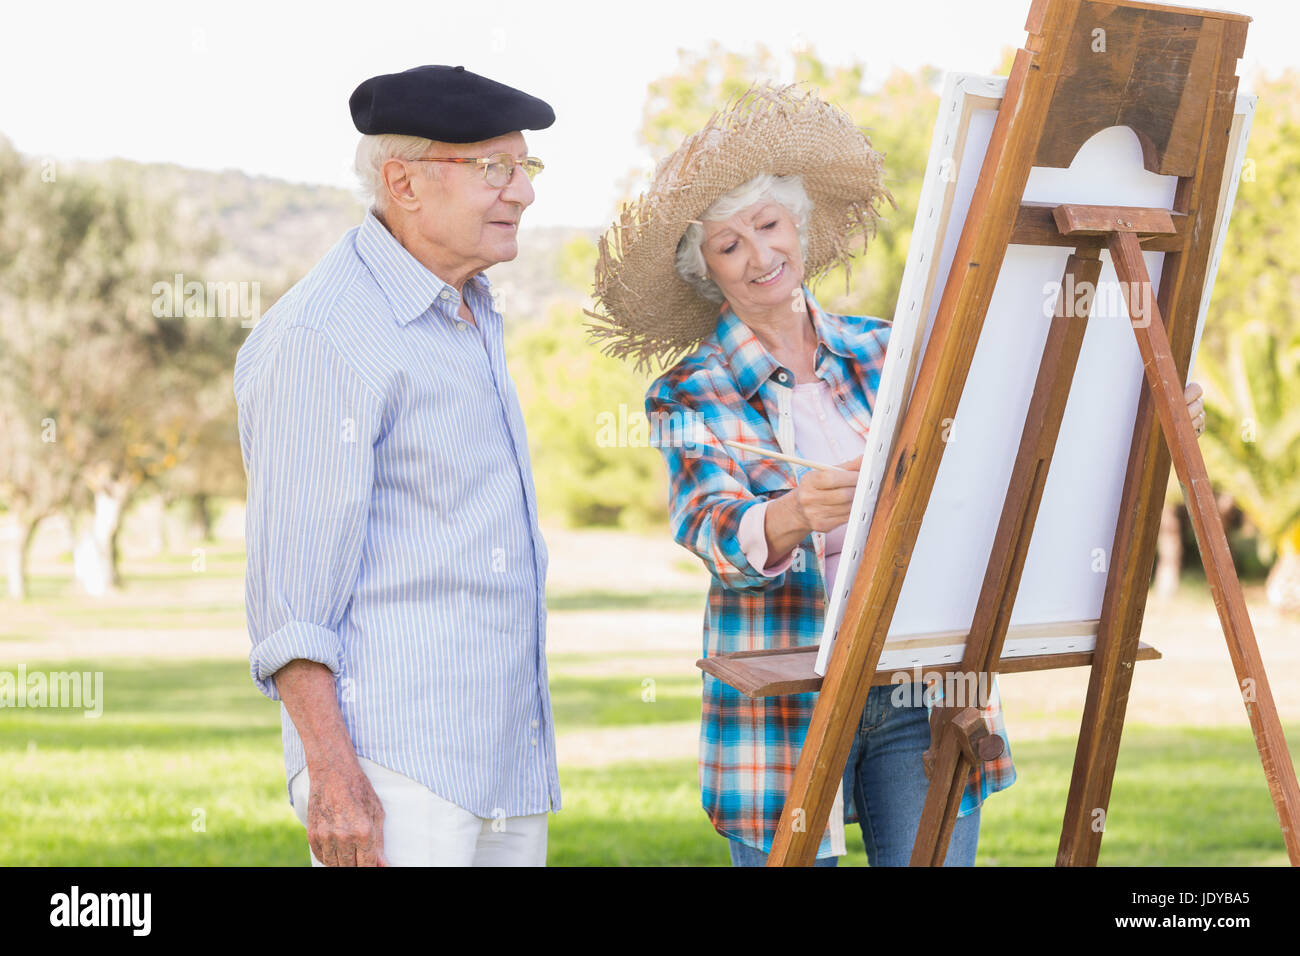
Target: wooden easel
<point>1171,76</point>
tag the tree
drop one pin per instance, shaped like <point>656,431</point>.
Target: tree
<point>98,382</point>
<point>1249,360</point>
<point>39,226</point>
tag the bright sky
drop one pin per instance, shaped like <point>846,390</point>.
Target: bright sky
<point>263,86</point>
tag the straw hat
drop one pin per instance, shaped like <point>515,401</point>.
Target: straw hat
<point>644,309</point>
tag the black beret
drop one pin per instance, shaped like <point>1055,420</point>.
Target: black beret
<point>445,103</point>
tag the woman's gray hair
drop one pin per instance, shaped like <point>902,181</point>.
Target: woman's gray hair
<point>788,191</point>
<point>373,152</point>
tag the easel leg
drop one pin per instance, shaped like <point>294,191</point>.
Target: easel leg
<point>952,764</point>
<point>1111,675</point>
<point>1112,670</point>
<point>942,802</point>
<point>1164,381</point>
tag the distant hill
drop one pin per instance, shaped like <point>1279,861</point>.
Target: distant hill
<point>274,231</point>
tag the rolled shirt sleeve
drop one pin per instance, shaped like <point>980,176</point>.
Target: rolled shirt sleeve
<point>308,426</point>
<point>753,541</point>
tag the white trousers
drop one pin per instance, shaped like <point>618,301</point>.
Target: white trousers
<point>423,829</point>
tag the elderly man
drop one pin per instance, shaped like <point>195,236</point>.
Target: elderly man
<point>396,573</point>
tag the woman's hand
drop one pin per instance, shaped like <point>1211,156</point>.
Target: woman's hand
<point>820,502</point>
<point>823,499</point>
<point>1195,407</point>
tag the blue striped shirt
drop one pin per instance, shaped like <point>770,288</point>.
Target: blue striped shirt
<point>392,524</point>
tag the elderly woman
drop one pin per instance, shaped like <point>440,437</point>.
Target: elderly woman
<point>770,192</point>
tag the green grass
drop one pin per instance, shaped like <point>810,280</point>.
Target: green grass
<point>1181,797</point>
<point>633,815</point>
<point>181,769</point>
<point>579,702</point>
<point>184,742</point>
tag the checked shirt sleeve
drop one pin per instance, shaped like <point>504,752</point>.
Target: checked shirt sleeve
<point>708,492</point>
<point>309,454</point>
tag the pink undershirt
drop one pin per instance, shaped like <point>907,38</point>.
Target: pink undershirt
<point>821,433</point>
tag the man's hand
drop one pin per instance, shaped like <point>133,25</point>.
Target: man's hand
<point>345,819</point>
<point>1195,407</point>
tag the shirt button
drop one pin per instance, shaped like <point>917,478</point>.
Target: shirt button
<point>782,377</point>
<point>533,741</point>
<point>462,326</point>
<point>445,294</point>
<point>534,723</point>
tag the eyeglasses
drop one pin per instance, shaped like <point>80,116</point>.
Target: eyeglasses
<point>498,169</point>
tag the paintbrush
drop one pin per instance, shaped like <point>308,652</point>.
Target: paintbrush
<point>764,453</point>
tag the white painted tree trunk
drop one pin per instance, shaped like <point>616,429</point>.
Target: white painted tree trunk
<point>1169,552</point>
<point>92,561</point>
<point>1283,585</point>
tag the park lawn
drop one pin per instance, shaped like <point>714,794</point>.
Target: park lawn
<point>184,768</point>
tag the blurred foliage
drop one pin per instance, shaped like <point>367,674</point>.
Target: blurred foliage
<point>81,347</point>
<point>591,463</point>
<point>108,387</point>
<point>1249,359</point>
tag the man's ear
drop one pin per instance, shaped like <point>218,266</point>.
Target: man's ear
<point>397,181</point>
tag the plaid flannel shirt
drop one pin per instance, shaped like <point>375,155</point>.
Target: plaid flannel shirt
<point>730,388</point>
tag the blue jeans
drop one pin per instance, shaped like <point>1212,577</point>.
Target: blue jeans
<point>886,782</point>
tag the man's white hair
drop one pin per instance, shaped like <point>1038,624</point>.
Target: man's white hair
<point>374,151</point>
<point>788,191</point>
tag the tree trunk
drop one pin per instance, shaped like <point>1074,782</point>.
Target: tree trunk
<point>1283,585</point>
<point>1169,552</point>
<point>203,516</point>
<point>95,561</point>
<point>19,548</point>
